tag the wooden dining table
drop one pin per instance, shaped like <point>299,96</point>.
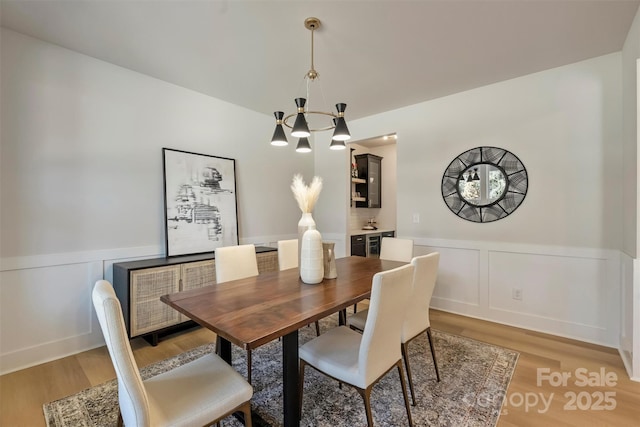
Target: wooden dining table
<point>254,311</point>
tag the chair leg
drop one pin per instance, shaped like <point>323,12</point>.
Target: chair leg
<point>404,392</point>
<point>246,409</point>
<point>353,328</point>
<point>355,308</point>
<point>405,357</point>
<point>249,366</point>
<point>317,328</point>
<point>366,396</point>
<point>433,353</point>
<point>120,420</point>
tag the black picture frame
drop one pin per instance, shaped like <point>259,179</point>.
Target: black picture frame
<point>200,202</point>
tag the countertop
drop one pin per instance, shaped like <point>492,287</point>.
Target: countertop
<point>357,232</point>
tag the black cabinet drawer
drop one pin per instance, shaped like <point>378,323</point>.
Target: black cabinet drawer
<point>358,245</point>
<point>357,239</point>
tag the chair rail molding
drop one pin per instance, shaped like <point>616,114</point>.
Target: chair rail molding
<point>63,258</point>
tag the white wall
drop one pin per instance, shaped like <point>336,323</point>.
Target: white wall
<point>81,188</point>
<point>388,178</point>
<point>331,166</point>
<point>630,303</point>
<point>81,184</point>
<point>630,54</point>
<point>564,124</point>
<point>561,246</point>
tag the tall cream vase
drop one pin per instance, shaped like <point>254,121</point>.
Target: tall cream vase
<point>311,265</point>
<point>306,223</point>
<point>306,196</point>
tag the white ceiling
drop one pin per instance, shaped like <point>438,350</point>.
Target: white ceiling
<point>373,55</point>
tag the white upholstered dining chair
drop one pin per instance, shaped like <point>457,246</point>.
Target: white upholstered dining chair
<point>394,249</point>
<point>234,263</point>
<point>288,258</point>
<point>200,392</point>
<point>416,313</point>
<point>287,254</point>
<point>362,360</point>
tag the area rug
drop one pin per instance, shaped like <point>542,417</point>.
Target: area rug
<point>474,380</point>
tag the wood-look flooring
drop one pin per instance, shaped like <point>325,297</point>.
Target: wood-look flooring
<point>23,393</point>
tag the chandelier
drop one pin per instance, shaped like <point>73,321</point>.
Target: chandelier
<point>301,128</point>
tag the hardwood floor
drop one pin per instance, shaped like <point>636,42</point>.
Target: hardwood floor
<point>23,393</point>
<point>535,399</point>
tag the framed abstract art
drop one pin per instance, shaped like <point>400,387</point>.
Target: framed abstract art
<point>200,202</point>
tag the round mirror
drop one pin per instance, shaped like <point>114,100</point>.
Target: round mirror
<point>484,184</point>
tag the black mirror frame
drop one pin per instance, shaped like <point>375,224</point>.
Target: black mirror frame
<point>508,163</point>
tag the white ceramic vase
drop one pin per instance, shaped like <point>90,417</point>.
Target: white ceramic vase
<point>311,266</point>
<point>306,223</point>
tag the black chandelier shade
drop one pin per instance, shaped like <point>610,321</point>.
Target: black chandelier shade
<point>303,145</point>
<point>335,143</point>
<point>341,132</point>
<point>279,138</point>
<point>300,127</point>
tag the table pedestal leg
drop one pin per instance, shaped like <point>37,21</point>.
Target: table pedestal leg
<point>291,400</point>
<point>342,317</point>
<point>224,349</point>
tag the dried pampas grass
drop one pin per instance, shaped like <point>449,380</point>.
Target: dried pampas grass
<point>306,196</point>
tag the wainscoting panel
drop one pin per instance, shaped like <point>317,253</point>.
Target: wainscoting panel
<point>552,287</point>
<point>570,292</point>
<point>458,277</point>
<point>46,313</point>
<point>45,304</point>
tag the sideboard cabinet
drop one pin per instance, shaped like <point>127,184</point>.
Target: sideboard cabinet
<point>140,284</point>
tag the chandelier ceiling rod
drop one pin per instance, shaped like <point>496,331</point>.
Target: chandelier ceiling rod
<point>311,24</point>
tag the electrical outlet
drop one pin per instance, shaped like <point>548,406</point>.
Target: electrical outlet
<point>516,293</point>
<point>416,218</point>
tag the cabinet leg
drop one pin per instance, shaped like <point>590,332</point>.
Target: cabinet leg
<point>151,339</point>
